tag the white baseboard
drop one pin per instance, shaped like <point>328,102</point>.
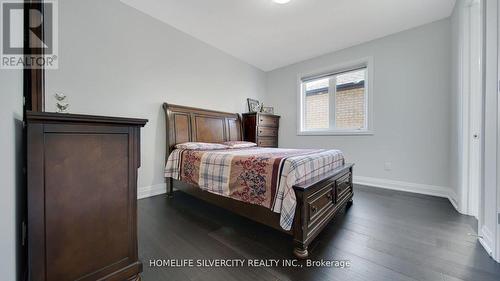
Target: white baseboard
<point>440,191</point>
<point>486,240</point>
<point>434,190</point>
<point>453,197</point>
<point>153,190</point>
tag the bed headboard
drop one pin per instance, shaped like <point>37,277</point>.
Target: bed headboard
<point>196,124</point>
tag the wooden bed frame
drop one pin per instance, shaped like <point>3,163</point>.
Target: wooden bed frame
<point>318,200</point>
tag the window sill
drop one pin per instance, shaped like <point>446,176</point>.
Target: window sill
<point>336,133</point>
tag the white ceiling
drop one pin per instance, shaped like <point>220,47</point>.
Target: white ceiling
<point>269,35</point>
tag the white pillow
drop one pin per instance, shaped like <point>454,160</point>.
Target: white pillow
<point>239,144</point>
<point>201,146</point>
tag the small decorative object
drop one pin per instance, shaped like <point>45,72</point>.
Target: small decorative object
<point>60,97</point>
<point>61,104</point>
<point>61,107</point>
<point>254,105</point>
<point>268,109</point>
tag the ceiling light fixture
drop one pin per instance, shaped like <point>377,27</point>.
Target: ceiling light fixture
<point>281,1</point>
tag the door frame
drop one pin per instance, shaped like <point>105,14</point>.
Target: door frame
<point>471,107</point>
<point>489,219</point>
<point>33,78</point>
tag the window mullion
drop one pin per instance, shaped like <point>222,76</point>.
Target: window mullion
<point>366,101</point>
<point>332,89</point>
<point>303,110</point>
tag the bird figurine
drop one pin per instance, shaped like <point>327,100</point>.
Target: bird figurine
<point>61,107</point>
<point>60,104</point>
<point>60,97</point>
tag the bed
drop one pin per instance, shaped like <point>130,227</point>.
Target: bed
<point>297,191</point>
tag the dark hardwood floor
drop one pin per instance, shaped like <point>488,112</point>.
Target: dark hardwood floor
<point>386,235</point>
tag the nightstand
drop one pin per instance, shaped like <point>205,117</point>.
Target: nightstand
<point>261,128</point>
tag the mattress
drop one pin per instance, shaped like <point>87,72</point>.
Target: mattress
<point>261,176</point>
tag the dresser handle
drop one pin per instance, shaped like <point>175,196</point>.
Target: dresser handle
<point>313,209</point>
<point>329,195</point>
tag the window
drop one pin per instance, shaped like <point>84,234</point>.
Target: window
<point>335,102</point>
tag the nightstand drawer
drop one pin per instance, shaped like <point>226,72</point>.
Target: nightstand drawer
<point>267,132</point>
<point>267,142</point>
<point>266,120</point>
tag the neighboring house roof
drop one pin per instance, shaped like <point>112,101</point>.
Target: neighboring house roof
<point>341,87</point>
<point>345,81</point>
<point>351,77</point>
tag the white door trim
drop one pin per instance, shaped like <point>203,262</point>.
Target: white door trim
<point>470,107</point>
<point>489,227</point>
<point>475,107</point>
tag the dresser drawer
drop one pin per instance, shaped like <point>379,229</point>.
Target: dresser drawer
<point>267,142</point>
<point>267,132</point>
<point>320,203</point>
<point>266,120</point>
<point>343,186</point>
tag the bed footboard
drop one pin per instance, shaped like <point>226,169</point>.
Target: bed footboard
<point>318,201</point>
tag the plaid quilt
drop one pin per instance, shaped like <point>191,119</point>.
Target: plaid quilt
<point>261,176</point>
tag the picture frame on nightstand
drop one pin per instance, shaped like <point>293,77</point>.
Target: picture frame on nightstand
<point>254,105</point>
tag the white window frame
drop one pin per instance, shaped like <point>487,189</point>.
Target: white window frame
<point>332,70</point>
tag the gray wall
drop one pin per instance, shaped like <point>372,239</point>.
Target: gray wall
<point>411,110</point>
<point>115,60</point>
<point>10,163</point>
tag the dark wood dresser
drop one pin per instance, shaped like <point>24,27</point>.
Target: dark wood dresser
<point>82,197</point>
<point>261,128</point>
